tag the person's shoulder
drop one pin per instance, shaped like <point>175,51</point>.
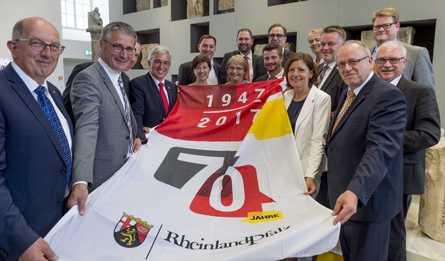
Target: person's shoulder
<point>140,79</point>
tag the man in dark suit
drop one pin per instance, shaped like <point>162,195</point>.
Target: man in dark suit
<point>329,81</point>
<point>422,131</point>
<point>386,25</point>
<point>152,97</point>
<point>35,143</point>
<point>364,151</point>
<point>245,43</point>
<point>207,47</point>
<point>277,35</point>
<point>272,63</point>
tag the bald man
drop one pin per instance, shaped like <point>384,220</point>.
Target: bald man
<point>35,143</point>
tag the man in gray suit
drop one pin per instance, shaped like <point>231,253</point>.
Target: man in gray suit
<point>418,68</point>
<point>105,131</point>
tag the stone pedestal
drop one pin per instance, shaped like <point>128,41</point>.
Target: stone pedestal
<point>432,202</point>
<point>95,27</point>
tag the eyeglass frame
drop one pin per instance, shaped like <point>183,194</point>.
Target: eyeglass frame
<point>392,61</point>
<point>119,48</point>
<point>55,48</point>
<point>385,27</point>
<point>351,62</point>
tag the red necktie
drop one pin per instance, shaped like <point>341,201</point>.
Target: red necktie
<point>163,97</point>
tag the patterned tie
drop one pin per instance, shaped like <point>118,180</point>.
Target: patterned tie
<point>163,97</point>
<point>349,98</point>
<point>51,115</point>
<point>250,68</point>
<point>126,111</point>
<point>324,69</point>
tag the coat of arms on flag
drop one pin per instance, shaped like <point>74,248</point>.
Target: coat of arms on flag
<point>219,178</point>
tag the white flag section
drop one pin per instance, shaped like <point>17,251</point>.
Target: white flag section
<point>219,179</point>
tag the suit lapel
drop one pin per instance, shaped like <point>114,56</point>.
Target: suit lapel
<point>331,76</point>
<point>25,95</point>
<point>157,94</point>
<point>306,110</point>
<point>110,87</point>
<point>357,101</point>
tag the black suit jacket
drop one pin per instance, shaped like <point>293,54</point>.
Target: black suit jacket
<point>146,102</point>
<point>422,131</point>
<point>365,152</point>
<point>257,64</point>
<point>186,75</point>
<point>334,86</point>
<point>32,170</point>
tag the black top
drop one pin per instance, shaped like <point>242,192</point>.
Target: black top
<point>293,111</point>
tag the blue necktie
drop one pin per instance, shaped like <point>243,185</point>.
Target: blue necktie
<point>51,115</point>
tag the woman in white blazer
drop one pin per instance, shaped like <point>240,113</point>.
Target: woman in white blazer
<point>309,112</point>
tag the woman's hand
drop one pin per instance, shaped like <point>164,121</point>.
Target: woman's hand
<point>310,185</point>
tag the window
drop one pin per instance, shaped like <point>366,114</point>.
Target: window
<point>75,17</point>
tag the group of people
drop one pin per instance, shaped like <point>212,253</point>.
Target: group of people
<point>362,120</point>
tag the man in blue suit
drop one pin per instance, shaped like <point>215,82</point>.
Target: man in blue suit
<point>35,143</point>
<point>365,156</point>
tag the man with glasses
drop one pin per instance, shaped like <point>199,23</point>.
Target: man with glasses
<point>207,47</point>
<point>244,40</point>
<point>277,35</point>
<point>152,96</point>
<point>105,133</point>
<point>35,143</point>
<point>422,131</point>
<point>364,150</point>
<point>418,67</point>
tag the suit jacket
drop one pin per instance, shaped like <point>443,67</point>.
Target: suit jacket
<point>422,131</point>
<point>365,152</point>
<point>334,86</point>
<point>147,103</point>
<point>286,54</point>
<point>32,170</point>
<point>419,67</point>
<point>76,70</point>
<point>102,136</point>
<point>186,75</point>
<point>257,65</point>
<point>311,129</point>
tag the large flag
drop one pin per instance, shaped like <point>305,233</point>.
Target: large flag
<point>219,179</point>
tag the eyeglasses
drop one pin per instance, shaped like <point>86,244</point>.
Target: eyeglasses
<point>38,45</point>
<point>351,62</point>
<point>276,35</point>
<point>393,61</point>
<point>385,27</point>
<point>118,48</point>
<point>330,44</point>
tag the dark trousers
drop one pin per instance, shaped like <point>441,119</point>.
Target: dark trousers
<point>397,242</point>
<point>363,241</point>
<point>322,196</point>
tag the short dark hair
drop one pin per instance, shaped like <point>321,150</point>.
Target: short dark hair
<point>206,36</point>
<point>245,30</point>
<point>201,59</point>
<point>277,25</point>
<point>307,60</point>
<point>335,29</point>
<point>270,47</point>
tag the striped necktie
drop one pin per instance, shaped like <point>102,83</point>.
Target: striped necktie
<point>127,112</point>
<point>346,105</point>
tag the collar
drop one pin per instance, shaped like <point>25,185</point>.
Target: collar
<point>29,82</point>
<point>113,74</point>
<point>278,75</point>
<point>358,89</point>
<point>396,80</point>
<point>156,80</point>
<point>248,55</point>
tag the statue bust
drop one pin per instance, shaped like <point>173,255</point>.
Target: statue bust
<point>95,23</point>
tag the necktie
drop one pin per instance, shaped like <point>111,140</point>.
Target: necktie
<point>349,98</point>
<point>127,112</point>
<point>51,115</point>
<point>163,97</point>
<point>250,67</point>
<point>324,69</point>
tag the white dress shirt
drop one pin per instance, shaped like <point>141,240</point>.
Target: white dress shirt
<point>32,86</point>
<point>331,66</point>
<point>114,77</point>
<point>212,79</point>
<point>157,85</point>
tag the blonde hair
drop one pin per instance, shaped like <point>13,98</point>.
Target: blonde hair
<point>387,12</point>
<point>239,59</point>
